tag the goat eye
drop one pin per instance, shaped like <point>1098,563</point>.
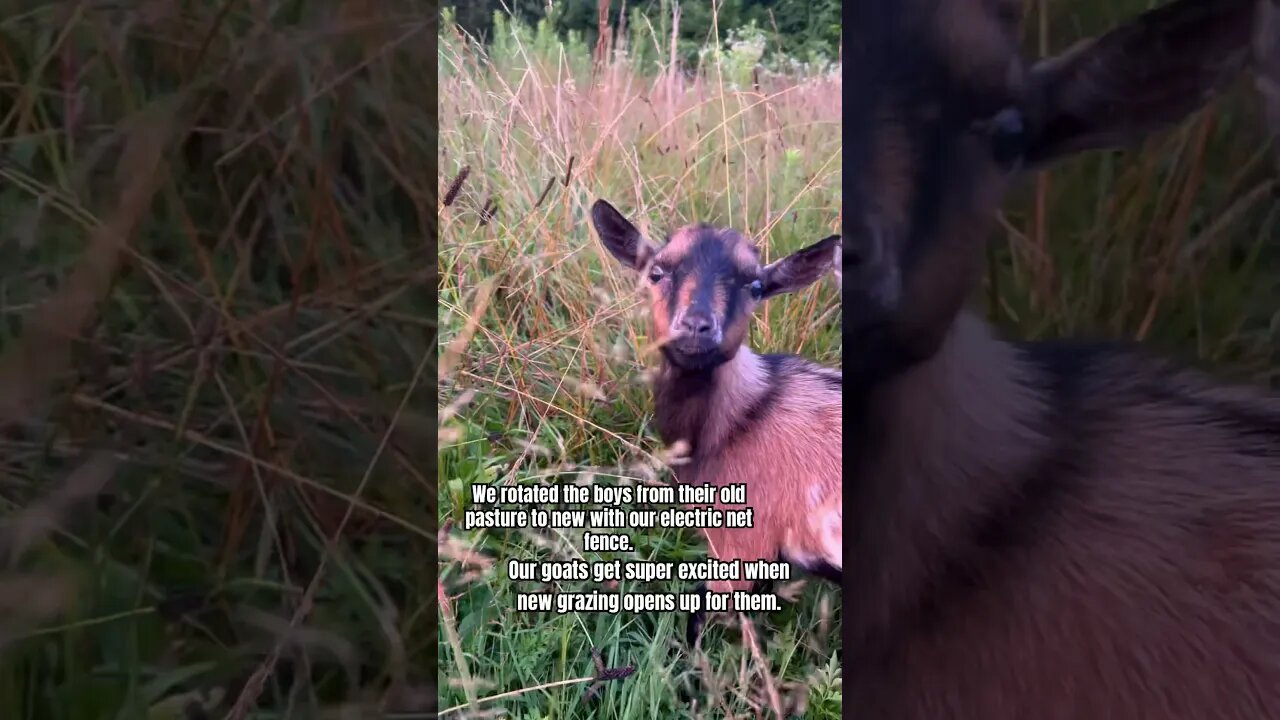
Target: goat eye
<point>655,274</point>
<point>1008,135</point>
<point>756,288</point>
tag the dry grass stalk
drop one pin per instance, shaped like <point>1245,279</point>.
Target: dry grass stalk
<point>27,600</point>
<point>43,354</point>
<point>453,353</point>
<point>20,531</point>
<point>289,635</point>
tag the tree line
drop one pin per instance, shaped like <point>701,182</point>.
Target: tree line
<point>802,29</point>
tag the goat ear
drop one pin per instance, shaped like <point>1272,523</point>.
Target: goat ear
<point>801,268</point>
<point>1140,78</point>
<point>622,239</point>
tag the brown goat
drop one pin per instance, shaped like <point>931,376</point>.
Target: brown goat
<point>1039,530</point>
<point>771,422</point>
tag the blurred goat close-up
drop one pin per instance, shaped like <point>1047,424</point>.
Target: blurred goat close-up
<point>1064,529</point>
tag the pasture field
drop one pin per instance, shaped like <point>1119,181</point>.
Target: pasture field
<point>550,384</point>
<point>1172,243</point>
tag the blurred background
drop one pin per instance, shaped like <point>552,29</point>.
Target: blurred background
<point>215,305</point>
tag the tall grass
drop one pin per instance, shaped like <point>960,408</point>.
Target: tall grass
<point>215,310</point>
<point>1172,243</point>
<point>552,373</point>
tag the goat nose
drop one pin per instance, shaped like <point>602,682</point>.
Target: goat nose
<point>697,324</point>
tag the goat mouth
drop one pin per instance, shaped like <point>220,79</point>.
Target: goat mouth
<point>693,354</point>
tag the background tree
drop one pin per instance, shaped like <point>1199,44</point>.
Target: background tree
<point>803,29</point>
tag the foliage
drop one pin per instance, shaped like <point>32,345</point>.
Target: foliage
<point>245,369</point>
<point>808,30</point>
<point>550,387</point>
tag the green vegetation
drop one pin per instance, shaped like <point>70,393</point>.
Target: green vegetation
<point>806,30</point>
<point>552,378</point>
<point>258,335</point>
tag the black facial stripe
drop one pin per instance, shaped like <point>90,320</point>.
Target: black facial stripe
<point>935,176</point>
<point>901,77</point>
<point>710,262</point>
<point>927,188</point>
<point>704,294</point>
<point>734,296</point>
<point>673,293</point>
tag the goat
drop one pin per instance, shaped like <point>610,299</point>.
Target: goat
<point>1050,530</point>
<point>771,422</point>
